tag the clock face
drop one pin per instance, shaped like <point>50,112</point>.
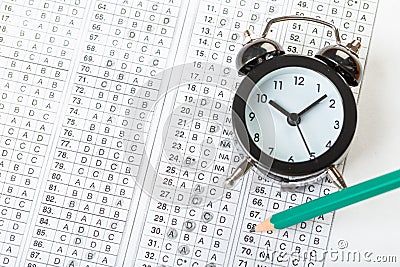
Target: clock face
<point>294,115</point>
<point>306,109</point>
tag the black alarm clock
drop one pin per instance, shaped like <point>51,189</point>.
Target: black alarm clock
<point>293,115</point>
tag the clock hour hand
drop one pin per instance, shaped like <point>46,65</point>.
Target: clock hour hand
<point>312,104</point>
<point>279,108</point>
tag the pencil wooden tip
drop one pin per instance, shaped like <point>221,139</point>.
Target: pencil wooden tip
<point>265,226</point>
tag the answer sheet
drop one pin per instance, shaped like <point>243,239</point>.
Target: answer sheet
<point>116,137</point>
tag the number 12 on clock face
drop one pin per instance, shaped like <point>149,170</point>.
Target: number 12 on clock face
<point>294,114</point>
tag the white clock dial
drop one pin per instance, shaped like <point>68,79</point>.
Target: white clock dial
<point>306,110</point>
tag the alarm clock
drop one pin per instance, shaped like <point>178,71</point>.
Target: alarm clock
<point>293,115</point>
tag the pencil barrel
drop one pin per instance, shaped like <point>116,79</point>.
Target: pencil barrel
<point>337,200</point>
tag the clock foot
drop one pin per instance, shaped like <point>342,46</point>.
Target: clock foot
<point>336,177</point>
<point>241,170</point>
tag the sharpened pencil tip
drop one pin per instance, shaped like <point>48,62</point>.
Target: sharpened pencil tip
<point>252,230</point>
<point>265,226</point>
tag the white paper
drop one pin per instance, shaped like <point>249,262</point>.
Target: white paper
<point>116,136</point>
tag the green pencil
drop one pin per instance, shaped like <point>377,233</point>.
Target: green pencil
<point>334,201</point>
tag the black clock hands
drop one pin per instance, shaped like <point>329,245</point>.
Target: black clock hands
<point>304,141</point>
<point>279,108</point>
<point>287,114</point>
<point>294,119</point>
<point>313,104</point>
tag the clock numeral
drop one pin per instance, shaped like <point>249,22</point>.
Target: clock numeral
<point>329,144</point>
<point>298,80</point>
<point>252,116</point>
<point>332,101</point>
<point>312,155</point>
<point>278,85</point>
<point>271,149</point>
<point>262,98</point>
<point>337,125</point>
<point>290,159</point>
<point>318,87</point>
<point>256,137</point>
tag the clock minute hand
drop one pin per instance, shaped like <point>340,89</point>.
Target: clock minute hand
<point>304,140</point>
<point>279,108</point>
<point>313,104</point>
